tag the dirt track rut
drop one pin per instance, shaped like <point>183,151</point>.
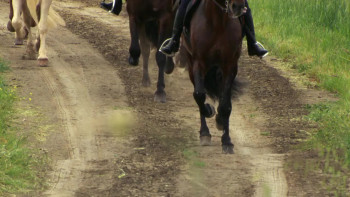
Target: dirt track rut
<point>88,83</point>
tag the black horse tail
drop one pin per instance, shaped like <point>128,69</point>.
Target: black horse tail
<point>213,82</point>
<point>151,29</point>
<point>118,6</point>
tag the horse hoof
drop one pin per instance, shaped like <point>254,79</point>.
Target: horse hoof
<point>18,42</point>
<point>211,111</point>
<point>146,83</point>
<point>10,27</point>
<point>205,140</point>
<point>133,61</point>
<point>160,97</point>
<point>43,62</point>
<point>227,149</point>
<point>219,124</point>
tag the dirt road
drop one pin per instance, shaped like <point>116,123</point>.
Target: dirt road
<point>88,87</point>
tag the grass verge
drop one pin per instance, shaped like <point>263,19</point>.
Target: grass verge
<point>17,163</point>
<point>314,37</point>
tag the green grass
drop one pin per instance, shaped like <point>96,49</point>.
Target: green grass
<point>17,163</point>
<point>315,37</point>
<point>192,157</point>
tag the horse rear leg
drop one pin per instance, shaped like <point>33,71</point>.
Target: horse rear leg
<point>160,95</point>
<point>134,49</point>
<point>30,51</point>
<point>163,32</point>
<point>224,112</point>
<point>145,49</point>
<point>166,28</point>
<point>9,24</point>
<point>169,65</point>
<point>206,110</point>
<point>17,22</point>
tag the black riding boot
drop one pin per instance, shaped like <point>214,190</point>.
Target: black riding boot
<point>106,6</point>
<point>112,7</point>
<point>254,47</point>
<point>171,45</point>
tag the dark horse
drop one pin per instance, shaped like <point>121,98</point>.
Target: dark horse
<point>213,52</point>
<point>151,22</point>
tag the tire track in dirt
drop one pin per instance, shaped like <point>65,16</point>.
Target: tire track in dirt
<point>86,111</point>
<point>83,99</point>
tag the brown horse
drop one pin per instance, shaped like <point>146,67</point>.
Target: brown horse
<point>213,50</point>
<point>151,22</point>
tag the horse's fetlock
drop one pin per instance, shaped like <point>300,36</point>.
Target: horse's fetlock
<point>43,29</point>
<point>199,97</point>
<point>225,111</point>
<point>16,23</point>
<point>135,53</point>
<point>225,139</point>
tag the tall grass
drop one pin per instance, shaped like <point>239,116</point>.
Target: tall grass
<point>17,172</point>
<point>314,36</point>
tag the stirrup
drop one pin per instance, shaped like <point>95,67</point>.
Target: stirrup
<point>260,45</point>
<point>166,42</point>
<point>113,6</point>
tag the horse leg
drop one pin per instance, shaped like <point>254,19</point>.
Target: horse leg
<point>37,41</point>
<point>160,95</point>
<point>43,28</point>
<point>145,49</point>
<point>169,65</point>
<point>17,22</point>
<point>30,52</point>
<point>9,24</point>
<point>134,49</point>
<point>206,110</point>
<point>223,116</point>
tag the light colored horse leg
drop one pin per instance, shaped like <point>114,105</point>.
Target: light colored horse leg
<point>17,21</point>
<point>43,28</point>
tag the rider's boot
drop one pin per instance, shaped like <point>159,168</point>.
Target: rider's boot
<point>254,47</point>
<point>106,6</point>
<point>111,7</point>
<point>171,45</point>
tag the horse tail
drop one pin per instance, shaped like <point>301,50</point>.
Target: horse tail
<point>212,81</point>
<point>151,29</point>
<point>54,19</point>
<point>32,9</point>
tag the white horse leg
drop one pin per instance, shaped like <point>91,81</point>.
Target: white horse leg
<point>43,28</point>
<point>17,21</point>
